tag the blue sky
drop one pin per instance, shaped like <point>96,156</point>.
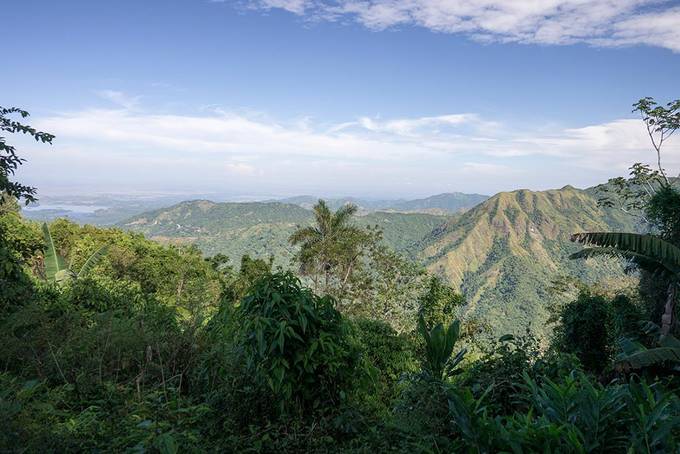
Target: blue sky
<point>348,97</point>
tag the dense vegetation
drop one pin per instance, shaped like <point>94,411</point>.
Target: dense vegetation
<point>113,342</point>
<point>261,229</point>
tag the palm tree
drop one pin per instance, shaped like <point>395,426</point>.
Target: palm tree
<point>331,243</point>
<point>56,269</point>
<point>647,252</point>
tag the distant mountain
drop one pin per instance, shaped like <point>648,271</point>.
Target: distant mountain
<point>448,203</point>
<point>262,229</point>
<point>503,253</point>
<point>452,202</point>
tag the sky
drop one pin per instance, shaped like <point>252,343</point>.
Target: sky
<point>368,98</point>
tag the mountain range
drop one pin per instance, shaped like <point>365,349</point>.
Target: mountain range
<point>446,203</point>
<point>502,253</point>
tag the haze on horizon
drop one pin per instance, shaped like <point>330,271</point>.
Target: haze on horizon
<point>371,99</point>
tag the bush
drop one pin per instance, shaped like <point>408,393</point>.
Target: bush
<point>498,372</point>
<point>590,326</point>
<point>392,355</point>
<point>297,345</point>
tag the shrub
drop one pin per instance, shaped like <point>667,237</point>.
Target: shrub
<point>391,354</point>
<point>499,370</point>
<point>297,345</point>
<point>590,326</point>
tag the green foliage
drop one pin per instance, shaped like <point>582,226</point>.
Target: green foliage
<point>635,355</point>
<point>498,373</point>
<point>9,160</point>
<point>585,330</point>
<point>390,353</point>
<point>19,245</point>
<point>331,249</point>
<point>56,269</point>
<point>663,212</point>
<point>439,344</point>
<point>591,325</point>
<point>439,303</point>
<point>648,251</point>
<point>297,344</point>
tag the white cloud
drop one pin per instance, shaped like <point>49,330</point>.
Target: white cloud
<point>119,98</point>
<point>294,6</point>
<point>595,22</point>
<point>247,152</point>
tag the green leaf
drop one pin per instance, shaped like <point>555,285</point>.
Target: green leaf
<point>92,261</point>
<point>53,262</point>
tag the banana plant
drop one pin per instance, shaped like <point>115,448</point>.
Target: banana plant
<point>635,355</point>
<point>56,269</point>
<point>648,252</point>
<point>439,345</point>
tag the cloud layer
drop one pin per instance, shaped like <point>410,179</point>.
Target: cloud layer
<point>595,22</point>
<point>131,149</point>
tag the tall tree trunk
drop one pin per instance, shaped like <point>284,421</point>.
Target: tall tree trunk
<point>668,317</point>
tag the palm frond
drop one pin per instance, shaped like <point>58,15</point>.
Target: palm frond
<point>304,235</point>
<point>343,215</point>
<point>323,216</point>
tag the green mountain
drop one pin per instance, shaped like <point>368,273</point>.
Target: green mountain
<point>504,253</point>
<point>262,229</point>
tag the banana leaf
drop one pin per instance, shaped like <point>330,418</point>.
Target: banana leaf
<point>54,263</point>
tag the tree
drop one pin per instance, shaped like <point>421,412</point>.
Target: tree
<point>650,194</point>
<point>333,246</point>
<point>632,195</point>
<point>439,303</point>
<point>661,123</point>
<point>9,160</point>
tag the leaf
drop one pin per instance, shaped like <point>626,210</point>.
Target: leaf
<point>166,444</point>
<point>92,261</point>
<point>637,356</point>
<point>631,245</point>
<point>53,262</point>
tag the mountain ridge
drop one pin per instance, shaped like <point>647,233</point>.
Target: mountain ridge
<point>504,252</point>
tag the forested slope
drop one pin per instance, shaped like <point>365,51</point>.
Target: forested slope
<point>504,253</point>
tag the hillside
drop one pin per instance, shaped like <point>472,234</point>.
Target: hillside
<point>262,229</point>
<point>503,253</point>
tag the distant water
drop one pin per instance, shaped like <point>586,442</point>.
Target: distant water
<point>66,207</point>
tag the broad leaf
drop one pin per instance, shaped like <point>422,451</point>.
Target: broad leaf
<point>92,261</point>
<point>54,263</point>
<point>646,249</point>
